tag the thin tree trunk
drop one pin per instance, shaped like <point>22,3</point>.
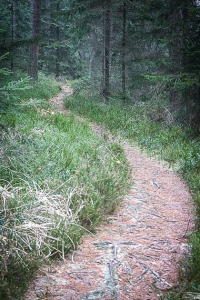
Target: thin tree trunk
<point>47,18</point>
<point>58,46</point>
<point>35,7</point>
<point>103,55</point>
<point>14,27</point>
<point>106,55</point>
<point>124,49</point>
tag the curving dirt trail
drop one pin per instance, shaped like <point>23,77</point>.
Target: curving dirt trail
<point>135,254</point>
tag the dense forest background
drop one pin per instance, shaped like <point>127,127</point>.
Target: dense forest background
<point>136,49</point>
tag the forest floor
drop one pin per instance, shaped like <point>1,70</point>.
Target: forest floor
<point>135,254</point>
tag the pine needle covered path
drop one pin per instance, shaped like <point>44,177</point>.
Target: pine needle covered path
<point>135,253</point>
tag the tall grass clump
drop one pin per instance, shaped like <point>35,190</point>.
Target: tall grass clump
<point>152,127</point>
<point>57,181</point>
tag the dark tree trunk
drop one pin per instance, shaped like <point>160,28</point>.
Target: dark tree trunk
<point>14,28</point>
<point>106,54</point>
<point>124,49</point>
<point>58,46</point>
<point>35,7</point>
<point>47,18</point>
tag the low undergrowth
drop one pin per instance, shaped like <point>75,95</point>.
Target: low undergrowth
<point>57,181</point>
<point>151,127</point>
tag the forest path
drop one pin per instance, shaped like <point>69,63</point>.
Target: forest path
<point>135,253</point>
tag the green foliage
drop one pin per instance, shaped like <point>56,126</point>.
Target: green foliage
<point>43,89</point>
<point>16,93</point>
<point>14,33</point>
<point>185,86</point>
<point>8,101</point>
<point>8,88</point>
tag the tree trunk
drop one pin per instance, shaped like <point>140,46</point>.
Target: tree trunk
<point>58,46</point>
<point>35,7</point>
<point>14,28</point>
<point>124,49</point>
<point>106,54</point>
<point>47,19</point>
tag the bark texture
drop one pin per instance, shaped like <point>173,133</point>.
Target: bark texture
<point>35,6</point>
<point>106,54</point>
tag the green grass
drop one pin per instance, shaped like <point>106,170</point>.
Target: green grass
<point>16,92</point>
<point>176,144</point>
<point>44,88</point>
<point>57,181</point>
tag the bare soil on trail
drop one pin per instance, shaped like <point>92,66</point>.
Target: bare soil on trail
<point>135,253</point>
<point>57,101</point>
